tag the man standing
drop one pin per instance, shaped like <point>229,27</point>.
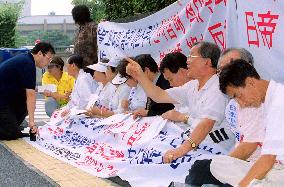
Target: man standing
<point>17,89</point>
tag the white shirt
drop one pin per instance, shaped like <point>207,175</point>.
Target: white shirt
<point>105,94</point>
<point>247,125</point>
<point>137,98</point>
<point>83,88</point>
<point>208,102</point>
<point>122,93</point>
<point>274,120</point>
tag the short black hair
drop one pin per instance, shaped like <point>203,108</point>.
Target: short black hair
<point>77,60</point>
<point>121,68</point>
<point>209,50</point>
<point>235,74</point>
<point>173,62</point>
<point>81,14</point>
<point>44,47</point>
<point>146,61</point>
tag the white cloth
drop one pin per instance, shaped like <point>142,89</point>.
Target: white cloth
<point>105,94</point>
<point>122,93</point>
<point>238,169</point>
<point>137,98</point>
<point>274,118</point>
<point>83,88</point>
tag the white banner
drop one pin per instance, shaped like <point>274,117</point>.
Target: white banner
<point>131,149</point>
<point>174,28</point>
<point>261,31</point>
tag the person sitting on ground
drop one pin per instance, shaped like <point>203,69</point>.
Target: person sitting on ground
<point>137,97</point>
<point>17,89</point>
<point>151,71</point>
<point>245,123</point>
<point>240,81</point>
<point>121,93</point>
<point>83,87</point>
<point>174,68</point>
<point>64,84</point>
<point>205,101</point>
<point>105,90</point>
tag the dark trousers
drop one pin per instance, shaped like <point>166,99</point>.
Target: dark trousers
<point>12,115</point>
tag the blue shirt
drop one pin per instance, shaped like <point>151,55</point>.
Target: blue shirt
<point>16,74</point>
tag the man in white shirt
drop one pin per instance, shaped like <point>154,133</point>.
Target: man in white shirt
<point>240,81</point>
<point>203,97</point>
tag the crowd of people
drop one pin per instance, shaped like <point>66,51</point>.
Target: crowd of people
<point>195,90</point>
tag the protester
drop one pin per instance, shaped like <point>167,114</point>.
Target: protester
<point>105,90</point>
<point>17,89</point>
<point>64,84</point>
<point>84,85</point>
<point>121,93</point>
<point>245,123</point>
<point>85,43</point>
<point>174,68</point>
<point>150,69</point>
<point>202,96</point>
<point>240,80</point>
<point>137,97</point>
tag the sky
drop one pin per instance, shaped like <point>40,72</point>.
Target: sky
<point>43,7</point>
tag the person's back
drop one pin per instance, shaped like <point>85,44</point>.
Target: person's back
<point>16,74</point>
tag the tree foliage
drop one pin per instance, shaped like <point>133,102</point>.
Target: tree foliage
<point>114,9</point>
<point>56,38</point>
<point>9,13</point>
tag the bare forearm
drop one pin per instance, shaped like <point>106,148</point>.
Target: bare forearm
<point>259,170</point>
<point>199,134</point>
<point>31,103</point>
<point>244,150</point>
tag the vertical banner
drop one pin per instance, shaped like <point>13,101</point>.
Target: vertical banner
<point>261,31</point>
<point>174,28</point>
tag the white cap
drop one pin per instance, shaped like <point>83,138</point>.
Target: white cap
<point>118,79</point>
<point>113,62</point>
<point>98,67</point>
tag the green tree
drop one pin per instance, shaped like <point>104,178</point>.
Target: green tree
<point>9,14</point>
<point>56,38</point>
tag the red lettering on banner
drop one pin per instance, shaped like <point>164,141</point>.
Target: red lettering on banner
<point>220,1</point>
<point>113,126</point>
<point>265,26</point>
<point>178,23</point>
<point>218,33</point>
<point>57,132</point>
<point>176,49</point>
<point>192,40</point>
<point>104,151</point>
<point>191,14</point>
<point>137,134</point>
<point>98,166</point>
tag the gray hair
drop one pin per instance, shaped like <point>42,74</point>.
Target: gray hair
<point>245,54</point>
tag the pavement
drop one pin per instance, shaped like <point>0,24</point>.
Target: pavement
<point>24,166</point>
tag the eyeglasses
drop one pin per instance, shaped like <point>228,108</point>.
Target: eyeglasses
<point>48,57</point>
<point>193,56</point>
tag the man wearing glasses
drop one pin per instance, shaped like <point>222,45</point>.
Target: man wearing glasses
<point>17,89</point>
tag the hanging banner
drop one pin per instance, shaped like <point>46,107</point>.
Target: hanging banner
<point>261,31</point>
<point>174,28</point>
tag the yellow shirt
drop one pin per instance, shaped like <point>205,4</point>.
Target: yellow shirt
<point>64,85</point>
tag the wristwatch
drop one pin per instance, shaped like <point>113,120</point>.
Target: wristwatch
<point>192,143</point>
<point>185,119</point>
